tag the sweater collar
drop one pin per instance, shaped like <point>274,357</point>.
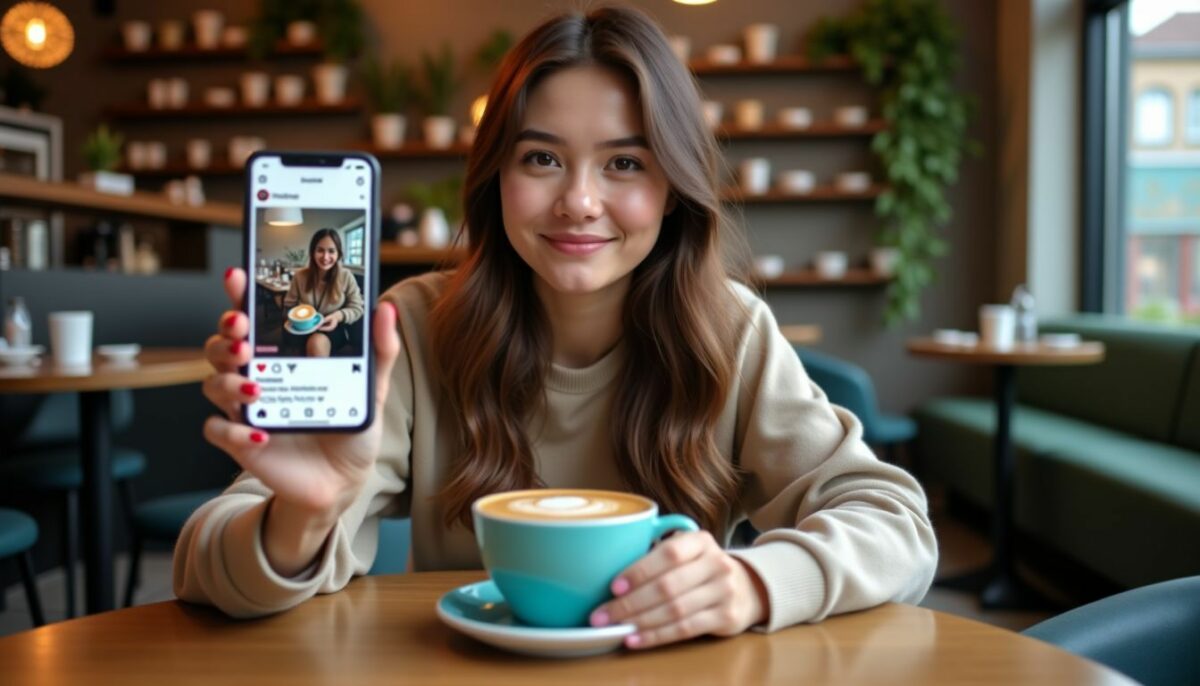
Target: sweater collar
<point>587,379</point>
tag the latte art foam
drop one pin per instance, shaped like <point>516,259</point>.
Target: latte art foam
<point>564,506</point>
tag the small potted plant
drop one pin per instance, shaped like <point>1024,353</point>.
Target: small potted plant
<point>440,83</point>
<point>389,90</point>
<point>340,23</point>
<point>102,152</point>
<point>441,205</point>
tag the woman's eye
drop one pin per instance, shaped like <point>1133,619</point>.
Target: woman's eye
<point>627,164</point>
<point>540,159</point>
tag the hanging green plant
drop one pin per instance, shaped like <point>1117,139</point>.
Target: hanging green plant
<point>908,51</point>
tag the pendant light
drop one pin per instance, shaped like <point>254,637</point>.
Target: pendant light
<point>36,34</point>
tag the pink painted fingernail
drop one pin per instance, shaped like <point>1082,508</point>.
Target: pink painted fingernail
<point>633,641</point>
<point>620,586</point>
<point>599,618</point>
<point>258,437</point>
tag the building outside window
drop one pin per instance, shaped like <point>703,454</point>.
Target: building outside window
<point>1192,127</point>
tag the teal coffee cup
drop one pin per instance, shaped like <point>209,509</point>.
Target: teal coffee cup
<point>303,317</point>
<point>553,553</point>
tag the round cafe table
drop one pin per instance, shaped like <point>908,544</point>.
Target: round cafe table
<point>384,630</point>
<point>153,367</point>
<point>998,584</point>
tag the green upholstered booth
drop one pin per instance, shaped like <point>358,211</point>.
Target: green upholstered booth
<point>1107,455</point>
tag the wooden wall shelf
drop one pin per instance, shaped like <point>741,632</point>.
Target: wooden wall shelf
<point>787,64</point>
<point>810,278</point>
<point>818,194</point>
<point>415,149</point>
<point>194,52</point>
<point>178,171</point>
<point>199,109</point>
<point>25,190</point>
<point>817,130</point>
<point>393,254</point>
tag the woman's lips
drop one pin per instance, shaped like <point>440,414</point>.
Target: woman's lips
<point>576,244</point>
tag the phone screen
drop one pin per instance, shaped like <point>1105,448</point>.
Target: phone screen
<point>310,244</point>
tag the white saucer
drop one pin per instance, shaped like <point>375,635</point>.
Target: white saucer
<point>119,353</point>
<point>19,357</point>
<point>1060,340</point>
<point>287,326</point>
<point>479,610</point>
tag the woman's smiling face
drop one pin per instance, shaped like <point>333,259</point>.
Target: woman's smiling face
<point>583,196</point>
<point>325,254</point>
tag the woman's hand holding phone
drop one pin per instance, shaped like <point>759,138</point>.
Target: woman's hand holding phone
<point>314,477</point>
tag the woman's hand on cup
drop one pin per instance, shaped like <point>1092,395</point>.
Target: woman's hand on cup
<point>330,322</point>
<point>687,586</point>
<point>315,472</point>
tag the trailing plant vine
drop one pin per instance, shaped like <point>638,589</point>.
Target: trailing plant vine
<point>908,51</point>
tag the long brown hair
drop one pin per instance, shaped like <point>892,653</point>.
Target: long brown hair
<point>489,331</point>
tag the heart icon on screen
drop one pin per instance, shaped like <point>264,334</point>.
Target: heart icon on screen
<point>261,367</point>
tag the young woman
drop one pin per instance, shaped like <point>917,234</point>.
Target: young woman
<point>592,338</point>
<point>330,289</point>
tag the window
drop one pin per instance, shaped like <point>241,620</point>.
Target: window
<point>1141,209</point>
<point>354,247</point>
<point>1152,119</point>
<point>1192,128</point>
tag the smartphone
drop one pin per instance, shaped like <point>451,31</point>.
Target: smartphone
<point>312,231</point>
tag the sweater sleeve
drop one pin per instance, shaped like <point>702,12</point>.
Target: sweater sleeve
<point>842,531</point>
<point>352,308</point>
<point>220,559</point>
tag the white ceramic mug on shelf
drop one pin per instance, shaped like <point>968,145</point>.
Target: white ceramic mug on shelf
<point>714,111</point>
<point>754,175</point>
<point>724,53</point>
<point>289,89</point>
<point>762,42</point>
<point>136,35</point>
<point>797,181</point>
<point>206,25</point>
<point>831,264</point>
<point>748,114</point>
<point>851,116</point>
<point>199,153</point>
<point>795,117</point>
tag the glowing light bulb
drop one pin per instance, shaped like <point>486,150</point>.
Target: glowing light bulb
<point>35,34</point>
<point>477,109</point>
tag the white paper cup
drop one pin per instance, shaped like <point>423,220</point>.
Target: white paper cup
<point>997,326</point>
<point>219,97</point>
<point>234,37</point>
<point>681,46</point>
<point>136,35</point>
<point>71,338</point>
<point>754,175</point>
<point>762,41</point>
<point>156,154</point>
<point>795,117</point>
<point>850,116</point>
<point>177,92</point>
<point>748,114</point>
<point>199,153</point>
<point>158,93</point>
<point>724,53</point>
<point>135,155</point>
<point>797,181</point>
<point>831,264</point>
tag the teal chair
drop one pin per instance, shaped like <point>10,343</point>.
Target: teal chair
<point>850,386</point>
<point>161,519</point>
<point>1151,634</point>
<point>18,533</point>
<point>45,458</point>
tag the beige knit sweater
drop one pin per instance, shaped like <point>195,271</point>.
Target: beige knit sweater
<point>842,530</point>
<point>344,296</point>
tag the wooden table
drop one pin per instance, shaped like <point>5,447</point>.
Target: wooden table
<point>998,584</point>
<point>383,630</point>
<point>153,368</point>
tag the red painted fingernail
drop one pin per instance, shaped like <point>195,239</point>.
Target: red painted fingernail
<point>229,320</point>
<point>235,347</point>
<point>258,437</point>
<point>228,273</point>
<point>620,586</point>
<point>249,388</point>
<point>633,641</point>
